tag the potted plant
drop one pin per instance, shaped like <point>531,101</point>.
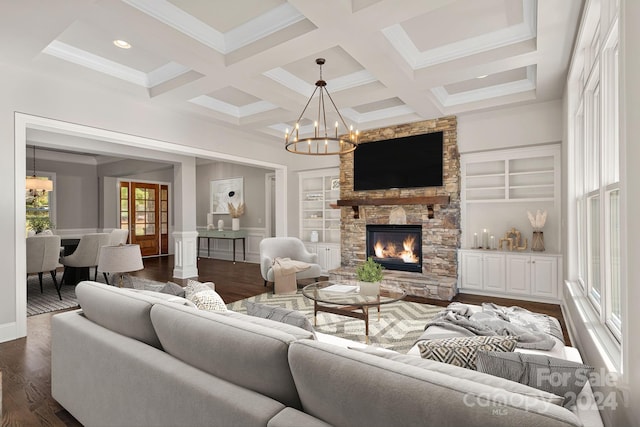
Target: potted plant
<point>236,213</point>
<point>369,274</point>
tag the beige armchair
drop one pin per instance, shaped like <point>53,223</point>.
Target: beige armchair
<point>86,254</point>
<point>286,247</point>
<point>42,255</point>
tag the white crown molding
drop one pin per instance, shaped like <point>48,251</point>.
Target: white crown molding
<point>89,60</point>
<point>401,41</point>
<point>519,86</point>
<point>231,110</point>
<point>175,17</point>
<point>385,113</point>
<point>166,72</point>
<point>285,78</point>
<point>260,27</point>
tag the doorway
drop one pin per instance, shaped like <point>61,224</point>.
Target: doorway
<point>144,211</point>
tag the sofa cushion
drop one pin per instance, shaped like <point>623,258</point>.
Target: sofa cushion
<point>279,314</point>
<point>245,354</point>
<point>467,374</point>
<point>462,351</point>
<point>558,376</point>
<point>165,297</point>
<point>119,310</point>
<point>373,391</point>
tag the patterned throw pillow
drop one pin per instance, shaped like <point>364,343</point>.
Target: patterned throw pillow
<point>203,296</point>
<point>462,351</point>
<point>558,376</point>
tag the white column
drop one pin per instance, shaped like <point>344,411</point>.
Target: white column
<point>185,235</point>
<point>186,254</point>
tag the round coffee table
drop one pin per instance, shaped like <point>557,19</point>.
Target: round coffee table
<point>345,299</point>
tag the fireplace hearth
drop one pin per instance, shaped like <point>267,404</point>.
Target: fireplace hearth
<point>396,247</point>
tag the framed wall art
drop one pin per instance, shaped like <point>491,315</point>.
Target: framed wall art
<point>225,191</point>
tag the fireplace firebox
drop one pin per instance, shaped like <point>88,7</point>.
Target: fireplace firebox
<point>396,247</point>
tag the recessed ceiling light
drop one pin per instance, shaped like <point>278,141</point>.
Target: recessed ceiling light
<point>122,44</point>
<point>482,76</point>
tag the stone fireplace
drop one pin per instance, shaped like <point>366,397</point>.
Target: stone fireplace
<point>395,246</point>
<point>436,210</point>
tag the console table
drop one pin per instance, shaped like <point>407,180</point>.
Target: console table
<point>225,235</point>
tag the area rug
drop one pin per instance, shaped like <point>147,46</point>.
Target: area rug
<point>48,301</point>
<point>400,324</point>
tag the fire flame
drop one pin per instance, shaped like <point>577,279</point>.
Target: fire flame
<point>389,250</point>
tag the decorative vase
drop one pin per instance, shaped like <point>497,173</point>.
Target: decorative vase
<point>537,243</point>
<point>314,236</point>
<point>235,224</point>
<point>369,289</point>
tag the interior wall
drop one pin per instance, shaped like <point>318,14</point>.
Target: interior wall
<point>254,194</point>
<point>77,193</point>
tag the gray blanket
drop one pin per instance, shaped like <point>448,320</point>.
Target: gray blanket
<point>533,330</point>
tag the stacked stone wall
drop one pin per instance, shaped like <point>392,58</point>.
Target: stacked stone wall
<point>440,234</point>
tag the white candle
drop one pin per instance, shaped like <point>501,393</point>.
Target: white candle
<point>485,239</point>
<point>492,242</point>
<point>475,240</point>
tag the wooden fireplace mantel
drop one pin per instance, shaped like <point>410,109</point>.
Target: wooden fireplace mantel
<point>393,201</point>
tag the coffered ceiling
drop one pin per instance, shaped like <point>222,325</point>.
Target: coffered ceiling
<point>251,63</point>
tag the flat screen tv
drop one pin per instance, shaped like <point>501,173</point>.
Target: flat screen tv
<point>411,161</point>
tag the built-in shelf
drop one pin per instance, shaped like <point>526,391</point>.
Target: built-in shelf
<point>394,201</point>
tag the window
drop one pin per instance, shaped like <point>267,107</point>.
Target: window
<point>40,207</point>
<point>595,173</point>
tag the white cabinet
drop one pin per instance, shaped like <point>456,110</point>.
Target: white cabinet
<point>328,255</point>
<point>493,272</point>
<point>482,271</point>
<point>509,274</point>
<point>319,213</point>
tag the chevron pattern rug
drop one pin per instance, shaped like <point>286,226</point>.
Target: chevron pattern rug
<point>400,324</point>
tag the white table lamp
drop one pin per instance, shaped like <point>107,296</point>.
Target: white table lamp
<point>120,259</point>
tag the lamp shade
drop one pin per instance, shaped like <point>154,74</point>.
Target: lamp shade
<point>120,259</point>
<point>37,183</point>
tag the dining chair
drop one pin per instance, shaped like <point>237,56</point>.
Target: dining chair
<point>118,237</point>
<point>86,254</point>
<point>42,255</point>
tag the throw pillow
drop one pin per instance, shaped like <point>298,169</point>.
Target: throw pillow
<point>194,286</point>
<point>279,314</point>
<point>173,289</point>
<point>557,376</point>
<point>462,351</point>
<point>203,296</point>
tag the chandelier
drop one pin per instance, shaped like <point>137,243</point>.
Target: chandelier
<point>37,185</point>
<point>324,141</point>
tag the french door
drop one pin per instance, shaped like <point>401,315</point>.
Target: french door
<point>144,211</point>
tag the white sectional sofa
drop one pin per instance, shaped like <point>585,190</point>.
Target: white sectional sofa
<point>131,359</point>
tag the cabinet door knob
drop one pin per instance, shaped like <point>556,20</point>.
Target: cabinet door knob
<point>533,262</point>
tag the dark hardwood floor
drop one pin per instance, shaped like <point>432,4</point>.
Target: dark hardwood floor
<point>26,363</point>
